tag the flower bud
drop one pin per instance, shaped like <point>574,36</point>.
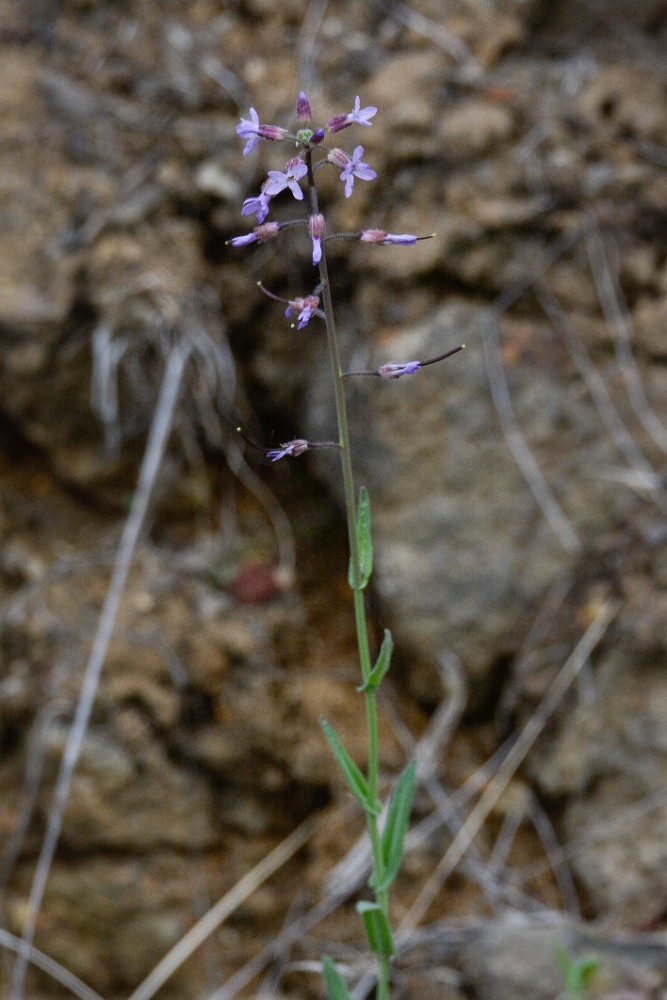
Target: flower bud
<point>394,370</point>
<point>338,157</point>
<point>260,234</point>
<point>272,132</point>
<point>381,236</point>
<point>316,227</point>
<point>293,448</point>
<point>303,112</point>
<point>267,231</point>
<point>338,122</point>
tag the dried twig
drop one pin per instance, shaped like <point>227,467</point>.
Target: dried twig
<point>218,913</point>
<point>437,34</point>
<point>500,781</point>
<point>645,476</point>
<point>617,315</point>
<point>155,448</point>
<point>516,441</point>
<point>48,965</point>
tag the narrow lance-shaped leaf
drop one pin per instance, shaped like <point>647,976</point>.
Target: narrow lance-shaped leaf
<point>364,543</point>
<point>381,664</point>
<point>396,826</point>
<point>377,927</point>
<point>356,781</point>
<point>336,985</point>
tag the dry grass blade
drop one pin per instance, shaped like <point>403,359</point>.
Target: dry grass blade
<point>516,441</point>
<point>646,477</point>
<point>222,909</point>
<point>557,863</point>
<point>48,965</point>
<point>307,41</point>
<point>626,819</point>
<point>48,714</point>
<point>617,315</point>
<point>503,403</point>
<point>293,932</point>
<point>517,753</point>
<point>154,453</point>
<point>437,35</point>
<point>430,749</point>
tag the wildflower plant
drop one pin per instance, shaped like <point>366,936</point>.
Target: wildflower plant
<point>386,822</point>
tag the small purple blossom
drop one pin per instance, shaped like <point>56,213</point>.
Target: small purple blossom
<point>249,129</point>
<point>258,206</point>
<point>293,448</point>
<point>380,236</point>
<point>361,117</point>
<point>306,306</point>
<point>393,370</point>
<point>260,234</point>
<point>243,241</point>
<point>316,226</point>
<point>317,136</point>
<point>289,178</point>
<point>351,167</point>
<point>358,115</point>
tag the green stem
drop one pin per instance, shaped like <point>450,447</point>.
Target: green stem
<point>359,607</point>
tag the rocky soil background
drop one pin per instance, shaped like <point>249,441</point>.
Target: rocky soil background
<point>518,490</point>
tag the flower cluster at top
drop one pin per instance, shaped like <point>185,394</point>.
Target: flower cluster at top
<point>313,153</point>
<point>298,178</point>
<point>350,167</point>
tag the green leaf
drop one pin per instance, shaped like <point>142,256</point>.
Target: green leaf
<point>364,543</point>
<point>381,664</point>
<point>356,781</point>
<point>396,827</point>
<point>577,973</point>
<point>336,985</point>
<point>377,927</point>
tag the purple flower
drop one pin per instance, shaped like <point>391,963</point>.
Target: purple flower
<point>307,307</point>
<point>303,112</point>
<point>293,448</point>
<point>258,206</point>
<point>242,241</point>
<point>251,130</point>
<point>289,178</point>
<point>380,236</point>
<point>360,116</point>
<point>393,370</point>
<point>316,228</point>
<point>351,167</point>
<point>260,234</point>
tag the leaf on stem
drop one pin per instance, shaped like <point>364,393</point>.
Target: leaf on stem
<point>381,664</point>
<point>378,930</point>
<point>364,543</point>
<point>336,985</point>
<point>392,842</point>
<point>356,781</point>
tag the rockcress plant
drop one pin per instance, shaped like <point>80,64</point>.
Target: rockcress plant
<point>387,825</point>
